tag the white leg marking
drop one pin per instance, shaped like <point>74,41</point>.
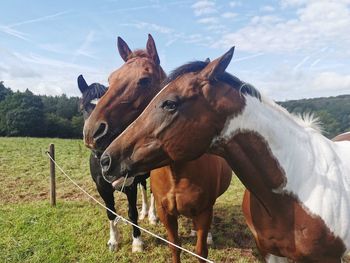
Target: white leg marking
<point>152,216</point>
<point>137,244</point>
<point>113,236</point>
<point>274,259</point>
<point>210,241</point>
<point>144,209</point>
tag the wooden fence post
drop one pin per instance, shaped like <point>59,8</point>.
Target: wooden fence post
<point>52,176</point>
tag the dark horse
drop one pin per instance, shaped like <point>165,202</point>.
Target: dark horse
<point>90,96</point>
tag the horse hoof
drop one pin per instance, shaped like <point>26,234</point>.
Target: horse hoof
<point>137,245</point>
<point>210,241</point>
<point>112,245</point>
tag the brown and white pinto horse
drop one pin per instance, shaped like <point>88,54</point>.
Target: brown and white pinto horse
<point>188,189</point>
<point>299,180</point>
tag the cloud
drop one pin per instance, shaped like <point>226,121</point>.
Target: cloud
<point>267,8</point>
<point>40,19</point>
<point>208,20</point>
<point>44,75</point>
<point>150,27</point>
<point>316,24</point>
<point>85,48</point>
<point>285,82</point>
<point>204,7</point>
<point>235,3</point>
<point>12,32</point>
<point>229,15</point>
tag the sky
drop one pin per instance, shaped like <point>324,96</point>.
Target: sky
<point>287,49</point>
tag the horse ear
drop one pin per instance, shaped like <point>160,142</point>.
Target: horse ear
<point>152,50</point>
<point>218,66</point>
<point>123,48</point>
<point>207,60</point>
<point>82,85</point>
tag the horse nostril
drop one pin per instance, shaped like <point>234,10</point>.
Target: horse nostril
<point>101,131</point>
<point>105,162</point>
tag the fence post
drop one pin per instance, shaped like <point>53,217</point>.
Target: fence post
<point>52,176</point>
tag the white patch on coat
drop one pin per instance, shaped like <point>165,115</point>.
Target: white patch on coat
<point>113,236</point>
<point>94,101</point>
<point>317,170</point>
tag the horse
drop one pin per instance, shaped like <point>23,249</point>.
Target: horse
<point>90,96</point>
<point>299,203</point>
<point>342,137</point>
<point>177,188</point>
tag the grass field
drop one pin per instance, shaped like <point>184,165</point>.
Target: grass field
<point>77,229</point>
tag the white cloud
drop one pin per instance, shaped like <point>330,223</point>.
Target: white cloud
<point>317,24</point>
<point>267,8</point>
<point>229,15</point>
<point>235,3</point>
<point>285,82</point>
<point>43,75</point>
<point>40,19</point>
<point>208,20</point>
<point>85,48</point>
<point>204,7</point>
<point>13,32</point>
<point>151,27</point>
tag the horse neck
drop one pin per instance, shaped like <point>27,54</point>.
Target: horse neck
<point>268,148</point>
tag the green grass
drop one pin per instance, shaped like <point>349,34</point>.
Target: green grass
<point>77,229</point>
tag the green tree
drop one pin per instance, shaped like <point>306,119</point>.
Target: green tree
<point>21,114</point>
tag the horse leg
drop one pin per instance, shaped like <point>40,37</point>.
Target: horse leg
<point>131,193</point>
<point>152,215</point>
<point>106,192</point>
<point>202,224</point>
<point>170,223</point>
<point>144,209</point>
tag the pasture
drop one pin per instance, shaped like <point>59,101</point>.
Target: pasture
<point>77,229</point>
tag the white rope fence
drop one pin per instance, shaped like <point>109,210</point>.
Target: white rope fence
<point>124,219</point>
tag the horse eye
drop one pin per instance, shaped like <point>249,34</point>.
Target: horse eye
<point>169,105</point>
<point>144,81</point>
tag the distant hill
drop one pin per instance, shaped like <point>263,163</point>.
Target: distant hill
<point>333,112</point>
<point>26,114</point>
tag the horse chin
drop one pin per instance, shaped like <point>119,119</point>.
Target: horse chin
<point>122,182</point>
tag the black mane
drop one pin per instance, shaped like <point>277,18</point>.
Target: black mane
<point>95,91</point>
<point>196,66</point>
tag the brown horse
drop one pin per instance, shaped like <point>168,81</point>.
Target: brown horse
<point>177,188</point>
<point>342,137</point>
<point>299,180</point>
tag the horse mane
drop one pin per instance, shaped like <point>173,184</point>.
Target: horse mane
<point>94,91</point>
<point>196,66</point>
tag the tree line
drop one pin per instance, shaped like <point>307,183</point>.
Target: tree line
<point>26,114</point>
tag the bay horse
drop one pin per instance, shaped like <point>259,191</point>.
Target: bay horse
<point>178,189</point>
<point>299,180</point>
<point>90,96</point>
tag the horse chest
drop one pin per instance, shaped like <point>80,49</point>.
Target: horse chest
<point>188,201</point>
